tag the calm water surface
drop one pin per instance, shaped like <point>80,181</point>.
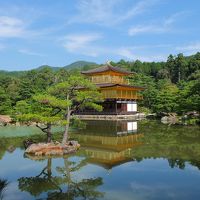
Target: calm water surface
<point>117,160</point>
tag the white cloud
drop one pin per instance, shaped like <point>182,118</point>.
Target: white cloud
<point>14,27</point>
<point>24,21</point>
<point>17,26</point>
<point>151,53</point>
<point>189,48</point>
<point>88,44</point>
<point>85,44</point>
<point>147,29</point>
<point>11,27</point>
<point>125,52</point>
<point>82,43</point>
<point>175,17</point>
<point>108,12</point>
<point>10,21</point>
<point>30,52</point>
<point>95,11</point>
<point>149,191</point>
<point>129,53</point>
<point>139,8</point>
<point>164,26</point>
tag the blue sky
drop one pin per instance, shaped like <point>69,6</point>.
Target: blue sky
<point>59,32</point>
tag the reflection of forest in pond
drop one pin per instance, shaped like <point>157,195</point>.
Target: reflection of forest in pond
<point>105,142</point>
<point>62,185</point>
<point>104,146</point>
<point>3,185</point>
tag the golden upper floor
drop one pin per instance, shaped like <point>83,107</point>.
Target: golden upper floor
<point>107,74</point>
<point>107,78</point>
<point>113,83</point>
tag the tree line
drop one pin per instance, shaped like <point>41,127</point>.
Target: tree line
<point>171,86</point>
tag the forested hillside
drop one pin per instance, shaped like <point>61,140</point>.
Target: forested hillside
<point>171,86</point>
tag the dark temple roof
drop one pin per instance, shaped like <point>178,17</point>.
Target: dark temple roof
<point>104,85</point>
<point>105,68</point>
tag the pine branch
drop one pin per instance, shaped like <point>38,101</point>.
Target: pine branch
<point>58,111</point>
<point>78,105</point>
<point>42,129</point>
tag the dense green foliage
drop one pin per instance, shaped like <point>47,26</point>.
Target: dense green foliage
<point>55,104</point>
<point>171,86</point>
<point>22,87</point>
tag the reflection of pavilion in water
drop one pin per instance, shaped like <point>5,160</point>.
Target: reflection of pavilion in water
<point>109,143</point>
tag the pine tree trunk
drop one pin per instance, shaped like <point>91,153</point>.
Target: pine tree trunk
<point>49,133</point>
<point>46,130</point>
<point>68,178</point>
<point>65,135</point>
<point>49,163</point>
<point>179,76</point>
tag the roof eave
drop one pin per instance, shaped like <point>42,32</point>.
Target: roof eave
<point>114,85</point>
<point>107,68</point>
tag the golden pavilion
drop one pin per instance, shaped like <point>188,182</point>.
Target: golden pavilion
<point>120,98</point>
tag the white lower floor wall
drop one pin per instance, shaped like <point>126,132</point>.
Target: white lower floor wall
<point>132,107</point>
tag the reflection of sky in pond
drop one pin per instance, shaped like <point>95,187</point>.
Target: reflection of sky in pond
<point>151,177</point>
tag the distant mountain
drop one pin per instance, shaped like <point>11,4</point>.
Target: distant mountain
<point>47,66</point>
<point>74,65</point>
<point>11,73</point>
<point>80,65</point>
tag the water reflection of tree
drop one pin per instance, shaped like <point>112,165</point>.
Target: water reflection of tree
<point>62,186</point>
<point>176,163</point>
<point>180,163</point>
<point>42,182</point>
<point>85,188</point>
<point>3,185</point>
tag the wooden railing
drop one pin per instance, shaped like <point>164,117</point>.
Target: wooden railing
<point>120,94</point>
<point>108,79</point>
<point>93,112</point>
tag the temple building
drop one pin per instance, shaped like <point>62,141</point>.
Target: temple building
<point>120,98</point>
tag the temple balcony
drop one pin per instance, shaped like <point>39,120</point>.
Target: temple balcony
<point>98,79</point>
<point>120,94</point>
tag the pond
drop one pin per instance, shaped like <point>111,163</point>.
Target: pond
<point>117,160</point>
